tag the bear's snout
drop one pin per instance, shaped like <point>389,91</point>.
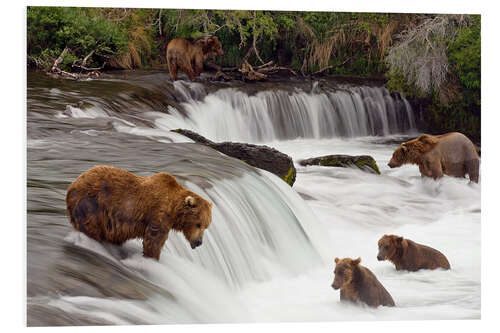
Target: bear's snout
<point>380,258</point>
<point>390,165</point>
<point>334,286</point>
<point>196,243</point>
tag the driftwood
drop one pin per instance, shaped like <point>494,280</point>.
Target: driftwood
<point>91,72</point>
<point>250,74</point>
<point>58,61</point>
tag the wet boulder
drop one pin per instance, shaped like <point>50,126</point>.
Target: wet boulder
<point>363,162</point>
<point>259,156</point>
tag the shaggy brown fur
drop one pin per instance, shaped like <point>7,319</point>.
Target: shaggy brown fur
<point>188,56</point>
<point>452,154</point>
<point>114,205</point>
<point>358,284</point>
<point>408,255</point>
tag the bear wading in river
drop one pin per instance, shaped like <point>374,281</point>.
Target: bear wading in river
<point>407,255</point>
<point>113,205</point>
<point>358,284</point>
<point>452,154</point>
<point>189,56</point>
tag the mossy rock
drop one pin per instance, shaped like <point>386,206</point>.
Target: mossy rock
<point>290,175</point>
<point>363,162</point>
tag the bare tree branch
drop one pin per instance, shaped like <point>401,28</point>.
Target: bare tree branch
<point>59,59</point>
<point>420,55</point>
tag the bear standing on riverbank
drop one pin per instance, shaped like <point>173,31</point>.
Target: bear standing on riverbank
<point>113,205</point>
<point>407,255</point>
<point>188,56</point>
<point>452,154</point>
<point>358,284</point>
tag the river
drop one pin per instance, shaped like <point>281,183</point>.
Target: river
<point>268,255</point>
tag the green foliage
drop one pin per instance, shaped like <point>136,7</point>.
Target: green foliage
<point>131,36</point>
<point>464,54</point>
<point>398,83</point>
<point>51,29</point>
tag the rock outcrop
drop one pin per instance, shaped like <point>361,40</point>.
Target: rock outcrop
<point>363,162</point>
<point>259,156</point>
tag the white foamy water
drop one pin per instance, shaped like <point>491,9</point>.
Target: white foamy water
<point>268,255</point>
<point>358,208</point>
<point>238,276</point>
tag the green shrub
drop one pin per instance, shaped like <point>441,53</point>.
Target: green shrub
<point>51,29</point>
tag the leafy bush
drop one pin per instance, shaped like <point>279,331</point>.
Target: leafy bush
<point>464,54</point>
<point>51,29</point>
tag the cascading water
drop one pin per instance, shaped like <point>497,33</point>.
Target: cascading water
<point>268,254</point>
<point>231,114</point>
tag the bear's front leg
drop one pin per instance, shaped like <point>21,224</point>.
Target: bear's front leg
<point>436,169</point>
<point>153,241</point>
<point>343,296</point>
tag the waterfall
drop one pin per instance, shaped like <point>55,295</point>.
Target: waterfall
<point>269,115</point>
<point>268,254</point>
<point>261,229</point>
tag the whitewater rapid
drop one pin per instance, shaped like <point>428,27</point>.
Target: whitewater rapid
<point>268,255</point>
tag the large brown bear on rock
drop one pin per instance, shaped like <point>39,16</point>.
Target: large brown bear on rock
<point>358,284</point>
<point>452,154</point>
<point>407,255</point>
<point>113,205</point>
<point>189,56</point>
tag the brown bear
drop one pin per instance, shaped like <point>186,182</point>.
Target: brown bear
<point>113,205</point>
<point>358,284</point>
<point>189,56</point>
<point>452,154</point>
<point>407,255</point>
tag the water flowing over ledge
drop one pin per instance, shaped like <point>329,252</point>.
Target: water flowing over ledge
<point>261,229</point>
<point>268,115</point>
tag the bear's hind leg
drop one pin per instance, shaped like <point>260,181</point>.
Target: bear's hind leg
<point>84,218</point>
<point>172,68</point>
<point>472,168</point>
<point>190,72</point>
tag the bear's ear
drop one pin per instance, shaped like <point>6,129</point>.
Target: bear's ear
<point>336,260</point>
<point>210,40</point>
<point>190,201</point>
<point>404,148</point>
<point>356,262</point>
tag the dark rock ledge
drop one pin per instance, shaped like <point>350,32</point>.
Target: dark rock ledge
<point>259,156</point>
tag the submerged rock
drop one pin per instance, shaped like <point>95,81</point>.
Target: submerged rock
<point>259,156</point>
<point>363,162</point>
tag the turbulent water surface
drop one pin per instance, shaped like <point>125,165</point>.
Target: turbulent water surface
<point>268,255</point>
